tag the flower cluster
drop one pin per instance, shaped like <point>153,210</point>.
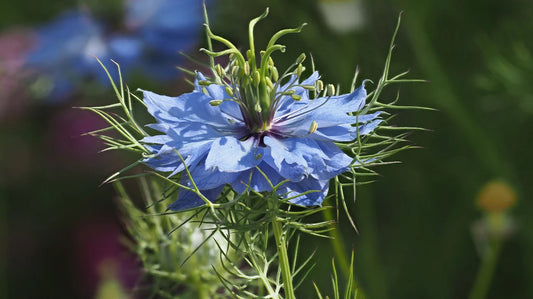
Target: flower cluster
<point>152,33</point>
<point>254,129</point>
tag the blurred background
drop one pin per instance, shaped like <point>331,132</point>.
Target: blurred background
<point>424,225</point>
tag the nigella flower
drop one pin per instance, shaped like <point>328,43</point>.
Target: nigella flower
<point>62,52</point>
<point>252,128</point>
<point>164,27</point>
<point>226,143</point>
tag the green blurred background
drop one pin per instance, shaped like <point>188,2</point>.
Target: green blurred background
<point>416,222</point>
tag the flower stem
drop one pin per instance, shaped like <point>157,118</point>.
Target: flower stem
<point>486,271</point>
<point>202,291</point>
<point>281,247</point>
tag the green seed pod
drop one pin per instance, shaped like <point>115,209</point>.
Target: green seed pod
<point>204,83</point>
<point>296,97</point>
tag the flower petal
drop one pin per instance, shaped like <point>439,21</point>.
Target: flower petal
<point>209,178</point>
<point>229,154</point>
<point>316,192</point>
<point>257,181</point>
<point>285,156</point>
<point>190,200</point>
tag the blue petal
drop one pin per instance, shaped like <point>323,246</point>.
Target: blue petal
<point>347,132</point>
<point>189,107</point>
<point>257,181</point>
<point>160,106</point>
<point>369,127</point>
<point>168,160</point>
<point>189,200</point>
<point>229,154</point>
<point>209,178</point>
<point>218,92</point>
<point>317,191</point>
<point>286,101</point>
<point>325,111</point>
<point>215,91</point>
<point>335,163</point>
<point>285,155</point>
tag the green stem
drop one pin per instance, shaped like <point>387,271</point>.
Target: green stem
<point>202,291</point>
<point>281,247</point>
<point>486,271</point>
<point>337,243</point>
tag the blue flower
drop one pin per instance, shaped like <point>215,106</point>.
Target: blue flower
<point>224,140</point>
<point>157,30</point>
<point>62,52</point>
<point>164,27</point>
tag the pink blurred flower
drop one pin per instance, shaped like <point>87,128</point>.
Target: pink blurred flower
<point>14,45</point>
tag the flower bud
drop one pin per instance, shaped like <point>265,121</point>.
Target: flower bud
<point>496,196</point>
<point>204,83</point>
